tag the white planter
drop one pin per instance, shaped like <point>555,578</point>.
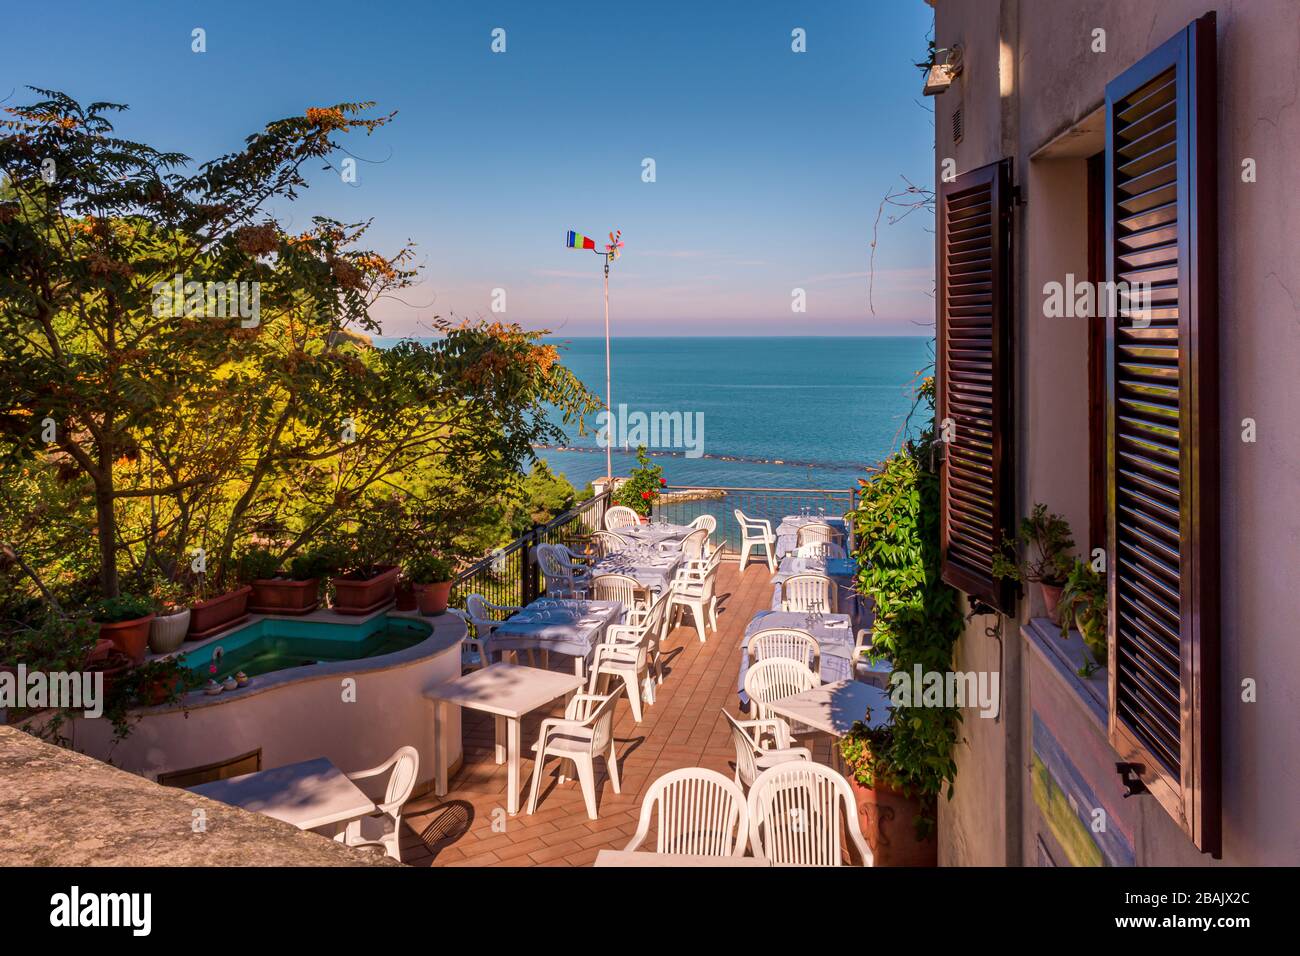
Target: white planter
<point>167,633</point>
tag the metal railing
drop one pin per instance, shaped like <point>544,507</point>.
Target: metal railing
<point>688,502</point>
<point>510,576</point>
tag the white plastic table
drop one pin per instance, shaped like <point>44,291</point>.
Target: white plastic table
<point>832,708</point>
<point>508,691</point>
<point>644,858</point>
<point>308,794</point>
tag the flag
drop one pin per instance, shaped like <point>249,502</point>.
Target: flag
<point>577,240</point>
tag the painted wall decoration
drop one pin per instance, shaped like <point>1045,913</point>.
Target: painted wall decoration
<point>1067,806</point>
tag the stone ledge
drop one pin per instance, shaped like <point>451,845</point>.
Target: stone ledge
<point>60,808</point>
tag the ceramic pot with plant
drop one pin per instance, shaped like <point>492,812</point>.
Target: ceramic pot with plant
<point>172,618</point>
<point>1045,545</point>
<point>1083,600</point>
<point>125,621</point>
<point>899,828</point>
<point>275,592</point>
<point>431,577</point>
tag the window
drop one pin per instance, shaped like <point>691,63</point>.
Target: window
<point>973,370</point>
<point>1162,429</point>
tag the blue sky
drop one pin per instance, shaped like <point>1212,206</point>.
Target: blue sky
<point>769,164</point>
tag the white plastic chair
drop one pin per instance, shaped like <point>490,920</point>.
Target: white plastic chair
<point>796,810</point>
<point>701,813</point>
<point>694,546</point>
<point>775,679</point>
<point>707,522</point>
<point>809,592</point>
<point>564,579</point>
<point>788,642</point>
<point>485,618</point>
<point>585,733</point>
<point>621,516</point>
<point>694,588</point>
<point>820,549</point>
<point>756,533</point>
<point>621,587</point>
<point>473,650</point>
<point>627,654</point>
<point>752,758</point>
<point>607,542</point>
<point>815,533</point>
<point>374,830</point>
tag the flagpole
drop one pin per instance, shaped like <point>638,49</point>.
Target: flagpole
<point>609,401</point>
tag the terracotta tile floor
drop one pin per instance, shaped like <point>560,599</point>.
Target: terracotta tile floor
<point>684,728</point>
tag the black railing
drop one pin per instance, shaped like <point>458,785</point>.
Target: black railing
<point>685,503</point>
<point>510,576</point>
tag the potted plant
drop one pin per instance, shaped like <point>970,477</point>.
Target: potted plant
<point>1044,538</point>
<point>215,614</point>
<point>643,487</point>
<point>369,576</point>
<point>158,682</point>
<point>1084,600</point>
<point>172,617</point>
<point>431,577</point>
<point>125,621</point>
<point>894,818</point>
<point>274,592</point>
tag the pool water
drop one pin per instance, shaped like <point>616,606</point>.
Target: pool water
<point>275,645</point>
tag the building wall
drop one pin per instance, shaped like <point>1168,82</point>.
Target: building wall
<point>1030,78</point>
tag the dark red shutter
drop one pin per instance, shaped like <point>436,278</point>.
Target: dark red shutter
<point>1162,428</point>
<point>973,368</point>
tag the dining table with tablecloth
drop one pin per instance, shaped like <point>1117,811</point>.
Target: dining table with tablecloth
<point>655,534</point>
<point>565,626</point>
<point>787,532</point>
<point>650,567</point>
<point>834,634</point>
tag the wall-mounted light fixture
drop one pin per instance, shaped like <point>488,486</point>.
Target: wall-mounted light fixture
<point>946,66</point>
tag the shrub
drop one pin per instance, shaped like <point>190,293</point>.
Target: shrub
<point>257,564</point>
<point>124,607</point>
<point>643,487</point>
<point>428,569</point>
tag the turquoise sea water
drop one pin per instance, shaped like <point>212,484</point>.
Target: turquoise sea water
<point>824,407</point>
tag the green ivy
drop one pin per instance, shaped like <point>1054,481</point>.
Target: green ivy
<point>917,619</point>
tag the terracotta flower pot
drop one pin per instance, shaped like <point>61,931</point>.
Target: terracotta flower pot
<point>406,597</point>
<point>167,631</point>
<point>113,665</point>
<point>357,595</point>
<point>886,817</point>
<point>129,637</point>
<point>1052,599</point>
<point>433,598</point>
<point>218,613</point>
<point>284,596</point>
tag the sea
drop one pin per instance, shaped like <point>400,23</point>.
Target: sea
<point>760,412</point>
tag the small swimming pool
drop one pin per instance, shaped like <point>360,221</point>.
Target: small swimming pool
<point>276,644</point>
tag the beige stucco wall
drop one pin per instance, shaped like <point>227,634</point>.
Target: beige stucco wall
<point>1029,75</point>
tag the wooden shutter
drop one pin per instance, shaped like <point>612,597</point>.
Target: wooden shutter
<point>1162,428</point>
<point>973,366</point>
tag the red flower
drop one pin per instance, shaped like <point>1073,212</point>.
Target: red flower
<point>663,481</point>
<point>645,495</point>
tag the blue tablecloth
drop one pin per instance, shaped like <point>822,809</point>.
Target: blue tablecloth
<point>650,567</point>
<point>787,532</point>
<point>655,533</point>
<point>565,627</point>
